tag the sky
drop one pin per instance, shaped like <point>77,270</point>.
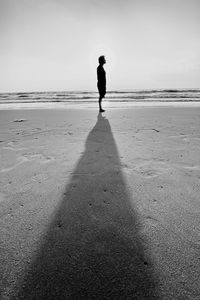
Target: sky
<point>54,45</point>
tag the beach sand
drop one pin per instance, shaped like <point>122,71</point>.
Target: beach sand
<point>100,206</point>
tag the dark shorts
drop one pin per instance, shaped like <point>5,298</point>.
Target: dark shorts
<point>102,90</point>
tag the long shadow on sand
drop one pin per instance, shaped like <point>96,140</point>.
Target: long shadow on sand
<point>93,249</point>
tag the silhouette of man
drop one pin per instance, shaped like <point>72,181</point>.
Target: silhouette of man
<point>101,81</point>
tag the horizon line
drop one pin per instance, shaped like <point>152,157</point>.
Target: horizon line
<point>95,91</point>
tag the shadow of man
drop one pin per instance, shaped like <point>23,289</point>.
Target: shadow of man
<point>92,249</point>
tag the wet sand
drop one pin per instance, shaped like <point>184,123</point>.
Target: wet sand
<point>100,206</point>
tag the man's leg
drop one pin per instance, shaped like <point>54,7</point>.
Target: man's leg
<point>100,100</point>
<point>100,107</point>
<point>102,92</point>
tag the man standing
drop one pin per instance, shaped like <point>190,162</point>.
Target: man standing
<point>101,81</point>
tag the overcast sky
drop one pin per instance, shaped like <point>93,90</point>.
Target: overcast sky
<point>54,44</point>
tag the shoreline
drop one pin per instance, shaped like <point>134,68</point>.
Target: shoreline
<point>94,105</point>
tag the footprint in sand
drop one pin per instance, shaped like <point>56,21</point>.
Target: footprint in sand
<point>149,222</point>
<point>19,120</point>
<point>13,147</point>
<point>27,158</point>
<point>192,168</point>
<point>150,173</point>
<point>182,136</point>
<point>148,170</point>
<point>37,156</point>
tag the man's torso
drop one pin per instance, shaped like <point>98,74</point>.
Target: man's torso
<point>101,76</point>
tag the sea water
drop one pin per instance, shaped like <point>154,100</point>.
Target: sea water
<point>90,98</point>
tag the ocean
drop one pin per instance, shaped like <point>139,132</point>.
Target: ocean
<point>77,98</point>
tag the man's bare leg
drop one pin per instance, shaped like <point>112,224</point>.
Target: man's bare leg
<point>100,107</point>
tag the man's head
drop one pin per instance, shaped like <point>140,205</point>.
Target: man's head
<point>102,60</point>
